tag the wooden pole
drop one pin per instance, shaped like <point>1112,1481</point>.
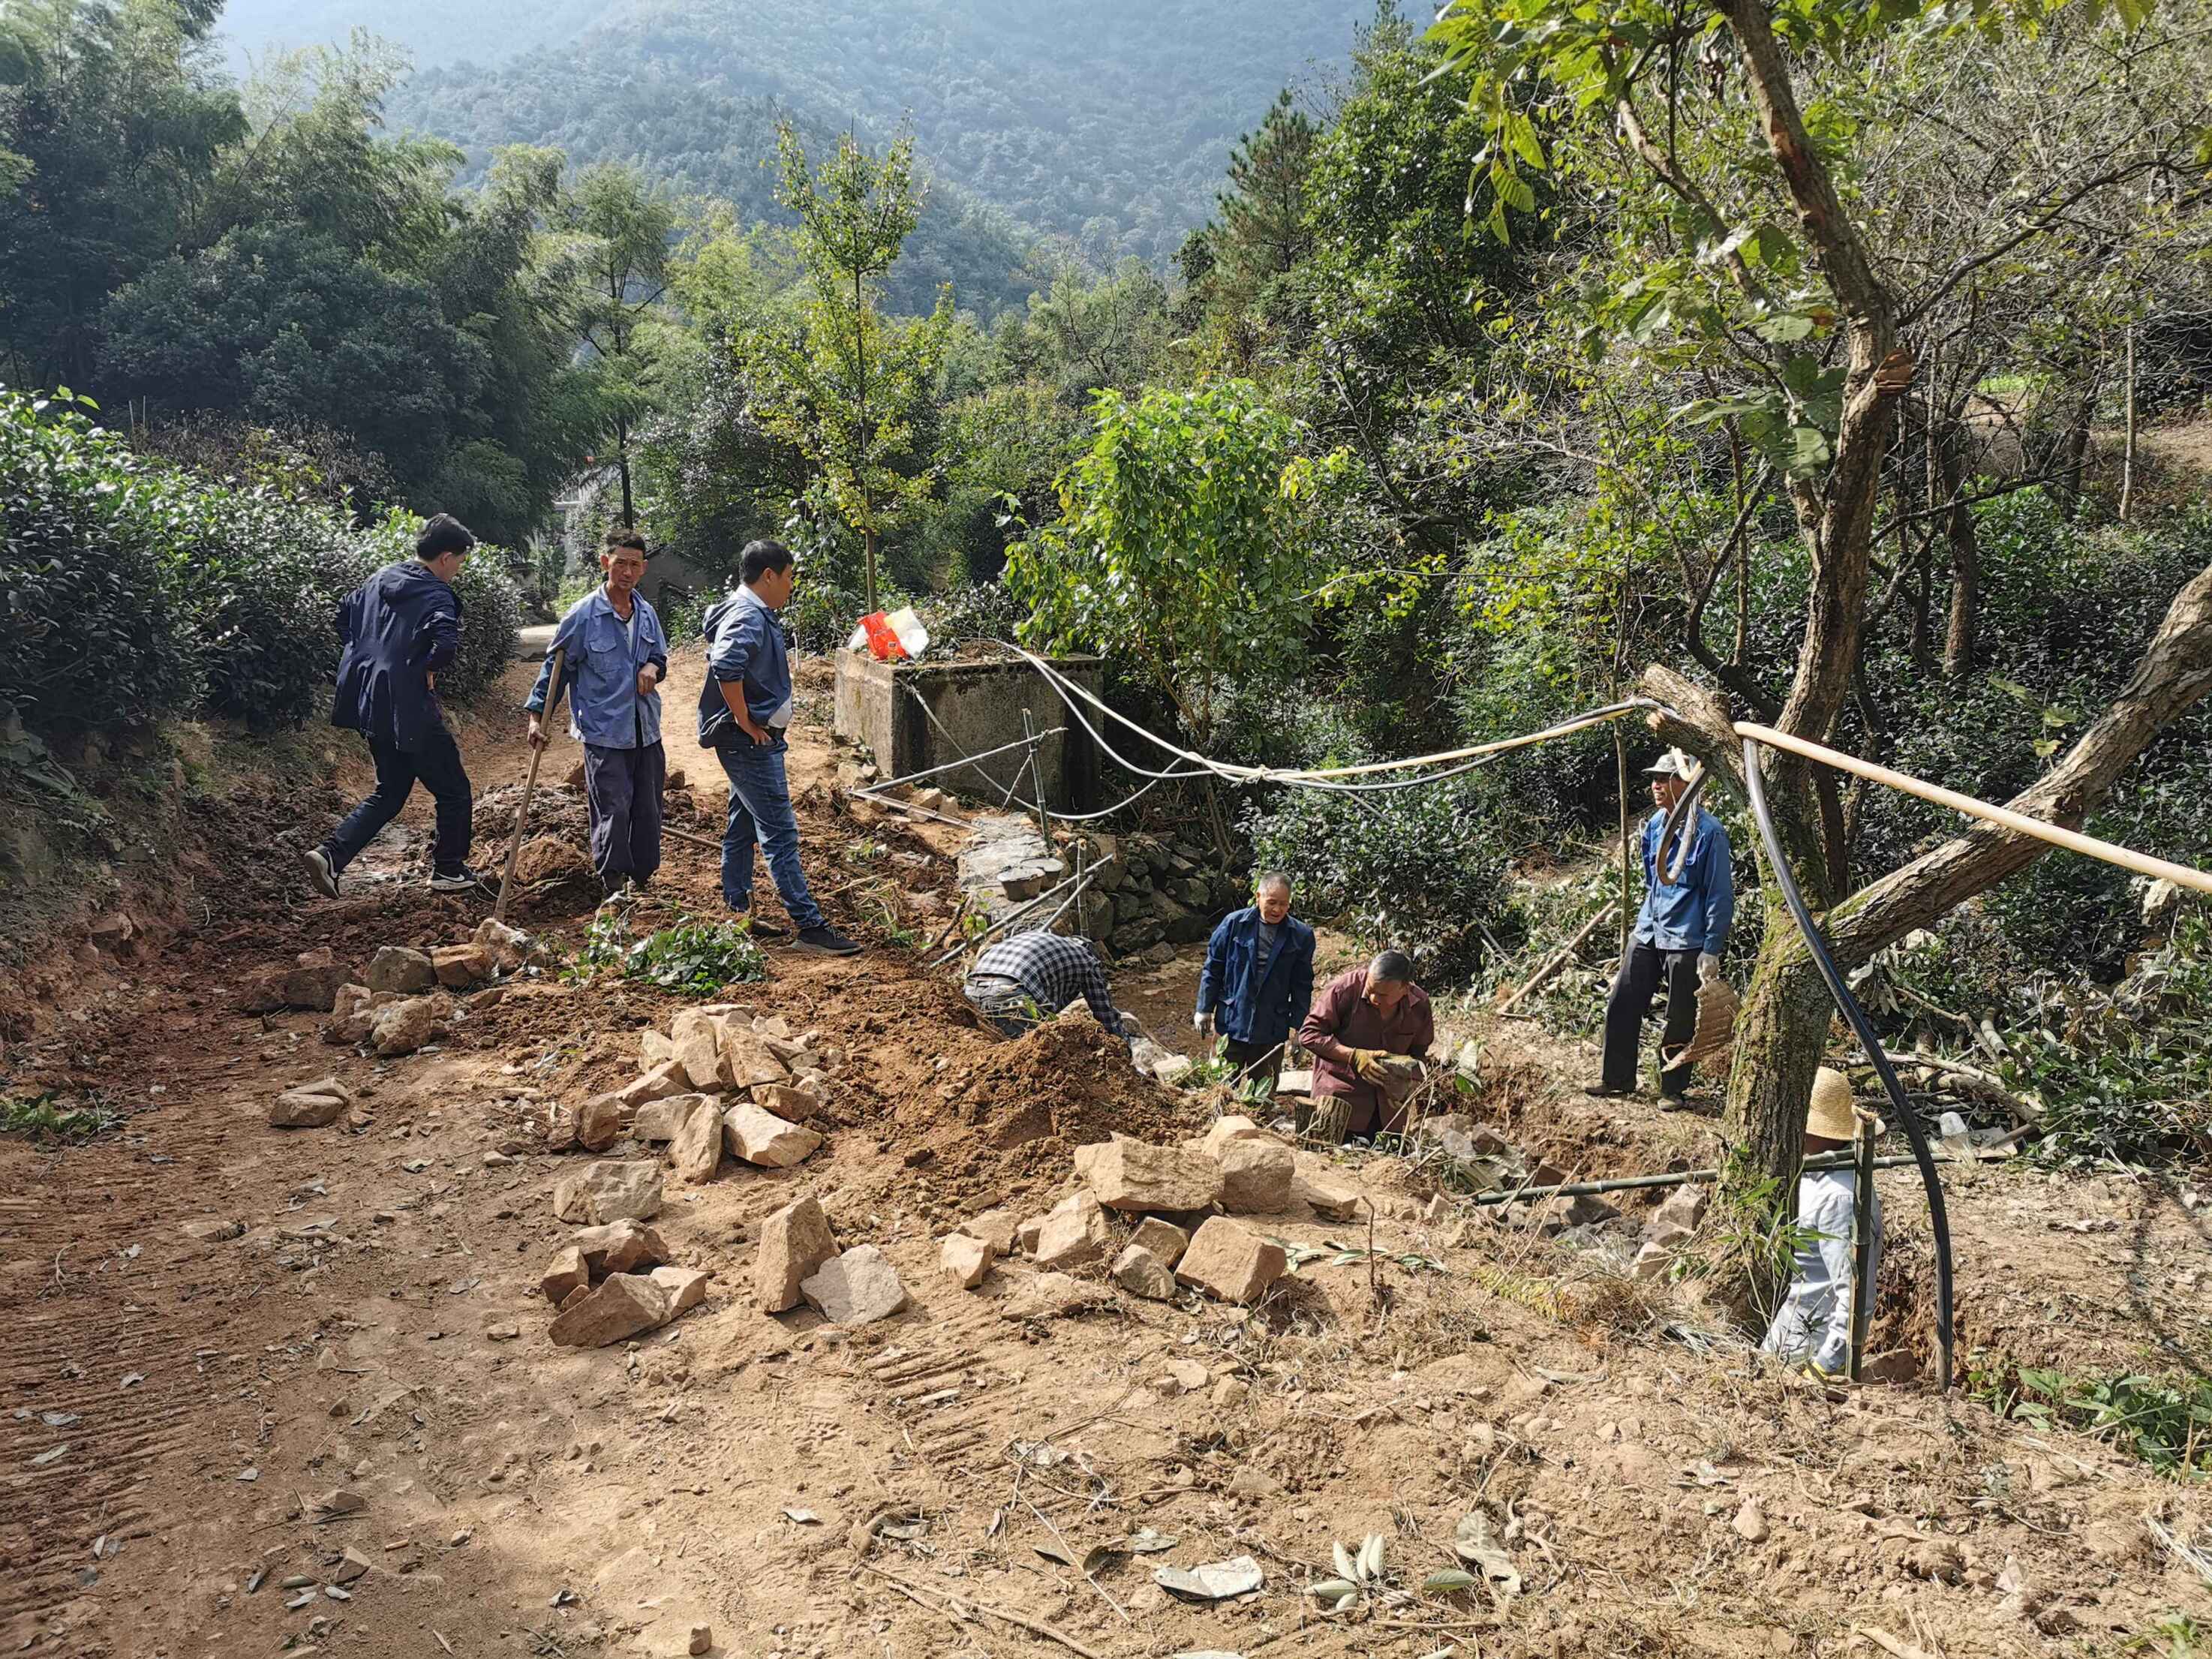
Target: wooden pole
<point>1559,959</point>
<point>2003,817</point>
<point>1861,1244</point>
<point>528,788</point>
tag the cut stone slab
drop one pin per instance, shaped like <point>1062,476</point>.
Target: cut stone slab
<point>1231,1262</point>
<point>396,968</point>
<point>1140,1273</point>
<point>762,1138</point>
<point>965,1260</point>
<point>401,1028</point>
<point>569,1269</point>
<point>1073,1233</point>
<point>857,1288</point>
<point>686,1287</point>
<point>599,1122</point>
<point>612,1189</point>
<point>1256,1175</point>
<point>792,1105</point>
<point>1330,1200</point>
<point>620,1247</point>
<point>700,1053</point>
<point>1163,1238</point>
<point>624,1305</point>
<point>996,1228</point>
<point>310,1106</point>
<point>695,1152</point>
<point>657,1121</point>
<point>654,1050</point>
<point>1227,1129</point>
<point>659,1082</point>
<point>794,1242</point>
<point>1135,1174</point>
<point>750,1063</point>
<point>459,967</point>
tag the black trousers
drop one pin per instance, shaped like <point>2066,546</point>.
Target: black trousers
<point>624,787</point>
<point>437,765</point>
<point>1258,1059</point>
<point>1630,1004</point>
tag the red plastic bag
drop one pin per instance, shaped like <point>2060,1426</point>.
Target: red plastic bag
<point>883,642</point>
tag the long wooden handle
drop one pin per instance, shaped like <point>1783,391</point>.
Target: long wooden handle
<point>2003,817</point>
<point>528,788</point>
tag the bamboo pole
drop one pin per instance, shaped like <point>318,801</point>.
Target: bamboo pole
<point>2003,817</point>
<point>1861,1244</point>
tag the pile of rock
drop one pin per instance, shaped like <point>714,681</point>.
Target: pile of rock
<point>1484,1162</point>
<point>612,1282</point>
<point>405,999</point>
<point>1151,893</point>
<point>1669,1230</point>
<point>722,1080</point>
<point>1175,1196</point>
<point>799,1261</point>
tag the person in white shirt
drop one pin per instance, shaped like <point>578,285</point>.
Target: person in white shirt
<point>1813,1326</point>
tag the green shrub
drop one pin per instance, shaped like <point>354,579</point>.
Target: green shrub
<point>691,958</point>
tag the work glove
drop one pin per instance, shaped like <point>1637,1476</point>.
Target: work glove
<point>1368,1063</point>
<point>1203,1022</point>
<point>1709,967</point>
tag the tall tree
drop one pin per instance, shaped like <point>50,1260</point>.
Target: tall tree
<point>620,229</point>
<point>1263,220</point>
<point>846,384</point>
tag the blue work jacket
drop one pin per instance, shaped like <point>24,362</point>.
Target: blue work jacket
<point>1696,913</point>
<point>600,673</point>
<point>1257,1001</point>
<point>744,642</point>
<point>396,629</point>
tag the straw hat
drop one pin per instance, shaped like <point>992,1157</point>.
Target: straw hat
<point>1832,1115</point>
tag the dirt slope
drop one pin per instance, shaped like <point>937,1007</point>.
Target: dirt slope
<point>1655,1497</point>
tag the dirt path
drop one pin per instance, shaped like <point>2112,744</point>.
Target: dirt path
<point>173,1407</point>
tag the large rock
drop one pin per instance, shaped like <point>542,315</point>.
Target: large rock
<point>792,1105</point>
<point>996,1228</point>
<point>657,1121</point>
<point>699,1052</point>
<point>857,1288</point>
<point>620,1247</point>
<point>1331,1199</point>
<point>396,968</point>
<point>794,1242</point>
<point>598,1122</point>
<point>460,966</point>
<point>1140,1273</point>
<point>1685,1208</point>
<point>686,1287</point>
<point>659,1082</point>
<point>764,1138</point>
<point>551,859</point>
<point>965,1260</point>
<point>1135,1174</point>
<point>352,1015</point>
<point>1231,1262</point>
<point>751,1063</point>
<point>695,1152</point>
<point>1256,1174</point>
<point>310,1106</point>
<point>1227,1129</point>
<point>1163,1238</point>
<point>510,947</point>
<point>1074,1232</point>
<point>655,1050</point>
<point>401,1028</point>
<point>611,1190</point>
<point>312,981</point>
<point>624,1305</point>
<point>568,1272</point>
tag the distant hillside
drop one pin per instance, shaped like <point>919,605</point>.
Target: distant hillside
<point>435,31</point>
<point>1108,125</point>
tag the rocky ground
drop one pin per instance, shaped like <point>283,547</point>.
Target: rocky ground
<point>297,1390</point>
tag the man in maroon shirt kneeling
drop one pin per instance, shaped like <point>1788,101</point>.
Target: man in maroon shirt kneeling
<point>1363,1018</point>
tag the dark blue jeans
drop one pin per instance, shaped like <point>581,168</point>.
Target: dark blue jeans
<point>624,786</point>
<point>760,810</point>
<point>436,764</point>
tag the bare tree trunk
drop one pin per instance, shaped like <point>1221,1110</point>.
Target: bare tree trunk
<point>2127,453</point>
<point>1964,625</point>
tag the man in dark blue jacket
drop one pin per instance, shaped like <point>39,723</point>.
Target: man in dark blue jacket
<point>399,628</point>
<point>744,709</point>
<point>1258,982</point>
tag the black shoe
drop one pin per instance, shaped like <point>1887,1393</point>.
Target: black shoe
<point>1675,1100</point>
<point>826,941</point>
<point>458,880</point>
<point>321,871</point>
<point>761,926</point>
<point>1605,1091</point>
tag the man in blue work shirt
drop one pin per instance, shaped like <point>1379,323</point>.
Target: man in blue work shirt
<point>1680,932</point>
<point>1257,985</point>
<point>744,709</point>
<point>397,629</point>
<point>613,658</point>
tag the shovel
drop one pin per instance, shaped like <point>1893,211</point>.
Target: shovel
<point>528,788</point>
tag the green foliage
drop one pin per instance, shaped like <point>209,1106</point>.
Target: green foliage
<point>2166,1422</point>
<point>133,589</point>
<point>1417,870</point>
<point>49,1117</point>
<point>689,957</point>
<point>1181,542</point>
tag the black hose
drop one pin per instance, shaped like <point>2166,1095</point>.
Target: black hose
<point>1682,823</point>
<point>1938,1221</point>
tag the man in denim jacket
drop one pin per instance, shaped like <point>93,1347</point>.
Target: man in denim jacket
<point>744,710</point>
<point>613,657</point>
<point>1257,986</point>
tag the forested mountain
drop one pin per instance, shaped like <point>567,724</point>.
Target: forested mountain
<point>432,31</point>
<point>1106,125</point>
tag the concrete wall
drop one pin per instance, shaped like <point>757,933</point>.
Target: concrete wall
<point>972,706</point>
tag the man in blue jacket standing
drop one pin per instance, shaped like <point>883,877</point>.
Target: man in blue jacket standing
<point>1680,932</point>
<point>613,658</point>
<point>1257,984</point>
<point>399,628</point>
<point>744,710</point>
